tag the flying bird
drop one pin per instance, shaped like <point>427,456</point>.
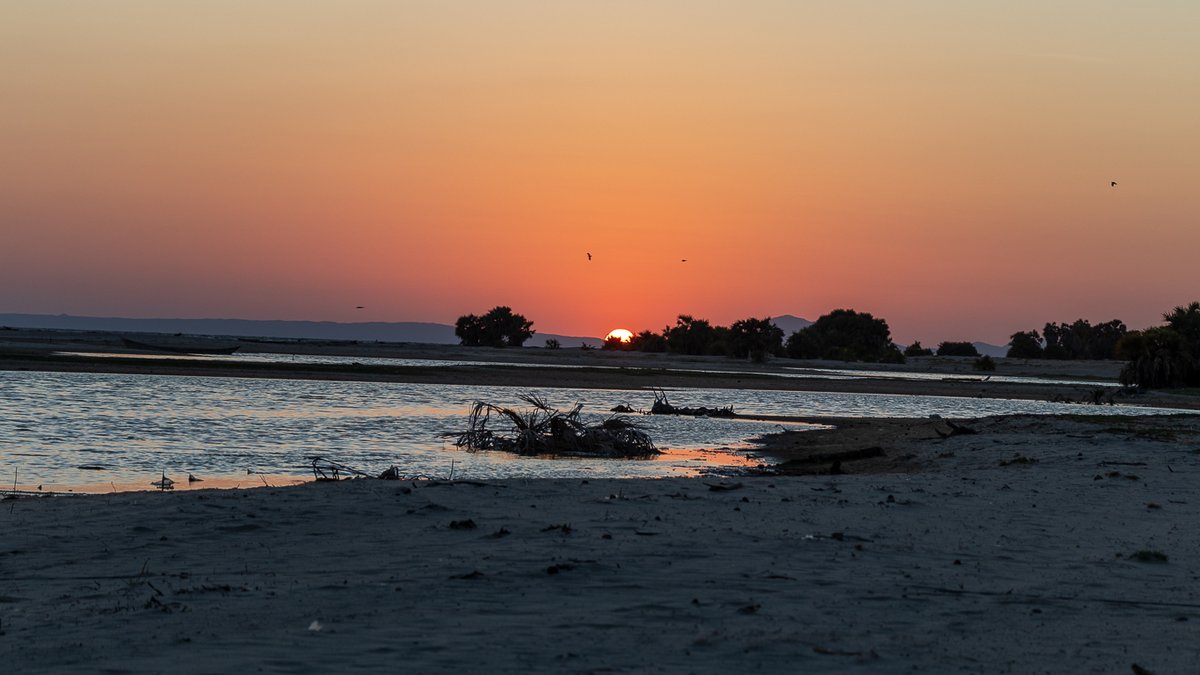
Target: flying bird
<point>683,260</point>
<point>358,307</point>
<point>589,256</point>
<point>1114,183</point>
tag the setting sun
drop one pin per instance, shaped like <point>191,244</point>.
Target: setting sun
<point>619,334</point>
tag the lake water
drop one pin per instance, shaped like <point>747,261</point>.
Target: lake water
<point>130,429</point>
<point>785,371</point>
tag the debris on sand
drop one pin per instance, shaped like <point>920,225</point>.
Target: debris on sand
<point>544,430</point>
<point>809,464</point>
<point>328,470</point>
<point>955,429</point>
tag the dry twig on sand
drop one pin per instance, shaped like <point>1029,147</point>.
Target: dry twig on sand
<point>544,430</point>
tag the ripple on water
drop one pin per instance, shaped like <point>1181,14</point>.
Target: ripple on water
<point>50,423</point>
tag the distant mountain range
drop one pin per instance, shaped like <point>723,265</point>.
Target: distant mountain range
<point>372,331</point>
<point>790,324</point>
<point>994,351</point>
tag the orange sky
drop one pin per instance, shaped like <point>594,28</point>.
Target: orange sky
<point>943,165</point>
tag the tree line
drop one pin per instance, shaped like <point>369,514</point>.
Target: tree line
<point>1165,356</point>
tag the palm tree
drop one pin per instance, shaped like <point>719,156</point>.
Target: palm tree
<point>1158,359</point>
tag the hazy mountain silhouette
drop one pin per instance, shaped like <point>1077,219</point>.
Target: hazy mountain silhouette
<point>987,349</point>
<point>790,324</point>
<point>372,331</point>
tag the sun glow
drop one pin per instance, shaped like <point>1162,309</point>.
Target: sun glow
<point>619,334</point>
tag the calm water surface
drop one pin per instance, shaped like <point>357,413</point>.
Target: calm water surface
<point>129,429</point>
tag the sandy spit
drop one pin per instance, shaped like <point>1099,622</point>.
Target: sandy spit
<point>1040,545</point>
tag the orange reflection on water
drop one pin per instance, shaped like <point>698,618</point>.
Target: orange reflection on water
<point>234,482</point>
<point>725,456</point>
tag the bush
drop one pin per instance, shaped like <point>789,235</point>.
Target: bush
<point>957,349</point>
<point>552,343</point>
<point>985,363</point>
<point>616,344</point>
<point>648,341</point>
<point>915,349</point>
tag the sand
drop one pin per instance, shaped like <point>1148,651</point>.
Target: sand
<point>1015,549</point>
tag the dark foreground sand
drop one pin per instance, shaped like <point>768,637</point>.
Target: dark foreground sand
<point>1035,545</point>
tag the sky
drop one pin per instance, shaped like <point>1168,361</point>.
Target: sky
<point>943,165</point>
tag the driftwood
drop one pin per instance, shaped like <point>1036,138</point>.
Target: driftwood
<point>543,430</point>
<point>840,456</point>
<point>327,469</point>
<point>662,406</point>
<point>955,430</point>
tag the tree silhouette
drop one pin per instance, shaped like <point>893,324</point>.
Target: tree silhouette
<point>1082,340</point>
<point>648,341</point>
<point>754,338</point>
<point>1167,356</point>
<point>1158,358</point>
<point>688,336</point>
<point>500,327</point>
<point>1025,345</point>
<point>845,335</point>
<point>957,349</point>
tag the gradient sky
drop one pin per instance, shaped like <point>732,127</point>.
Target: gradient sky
<point>944,165</point>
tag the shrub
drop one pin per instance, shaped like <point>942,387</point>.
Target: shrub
<point>648,341</point>
<point>985,363</point>
<point>915,349</point>
<point>957,349</point>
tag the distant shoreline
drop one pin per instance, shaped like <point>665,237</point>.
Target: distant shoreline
<point>41,351</point>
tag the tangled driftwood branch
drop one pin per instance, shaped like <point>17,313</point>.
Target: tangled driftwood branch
<point>543,430</point>
<point>663,407</point>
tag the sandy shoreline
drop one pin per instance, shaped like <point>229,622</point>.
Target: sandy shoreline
<point>981,561</point>
<point>1034,544</point>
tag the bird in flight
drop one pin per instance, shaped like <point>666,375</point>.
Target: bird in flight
<point>683,260</point>
<point>1114,183</point>
<point>359,307</point>
<point>589,256</point>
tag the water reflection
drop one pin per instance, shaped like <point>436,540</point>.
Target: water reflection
<point>130,428</point>
<point>784,371</point>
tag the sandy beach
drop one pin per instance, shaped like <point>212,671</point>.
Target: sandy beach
<point>1033,545</point>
